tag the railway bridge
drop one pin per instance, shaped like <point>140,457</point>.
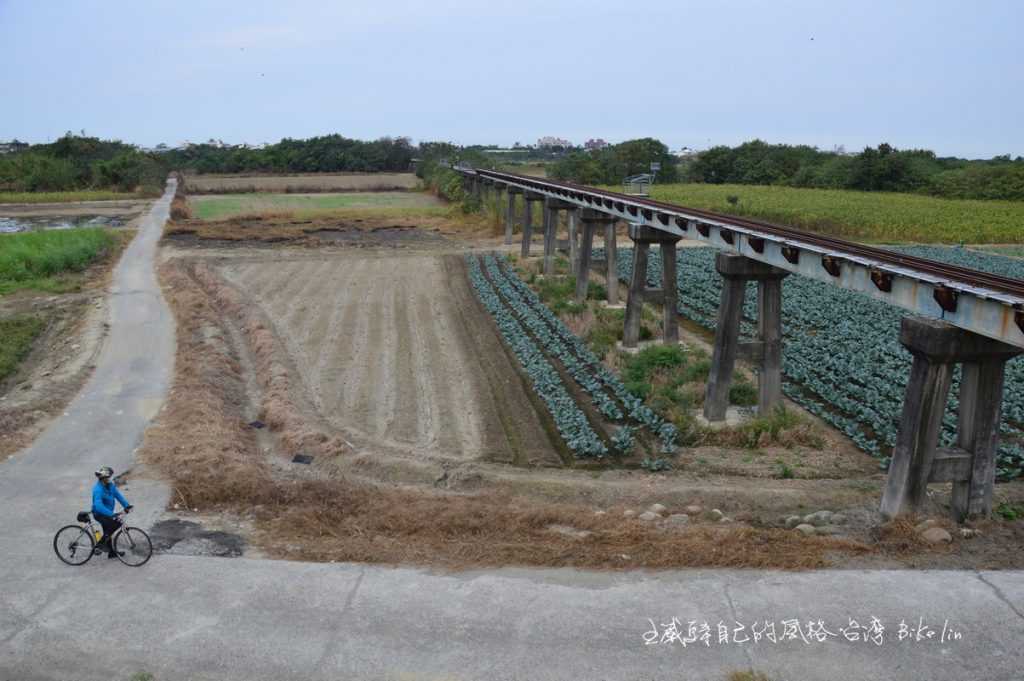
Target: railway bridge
<point>960,316</point>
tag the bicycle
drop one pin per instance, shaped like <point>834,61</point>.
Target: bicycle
<point>76,544</point>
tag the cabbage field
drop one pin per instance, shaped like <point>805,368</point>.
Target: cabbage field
<point>540,342</point>
<point>842,359</point>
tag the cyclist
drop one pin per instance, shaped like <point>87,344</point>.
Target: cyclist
<point>104,496</point>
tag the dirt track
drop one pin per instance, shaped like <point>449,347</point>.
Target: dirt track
<point>393,352</point>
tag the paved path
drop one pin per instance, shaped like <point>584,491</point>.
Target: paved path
<point>209,618</point>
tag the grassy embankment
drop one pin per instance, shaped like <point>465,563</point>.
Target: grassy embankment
<point>68,197</point>
<point>862,216</point>
<point>49,260</point>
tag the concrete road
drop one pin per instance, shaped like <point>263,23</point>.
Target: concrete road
<point>215,618</point>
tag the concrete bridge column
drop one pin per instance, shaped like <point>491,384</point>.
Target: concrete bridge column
<point>573,216</point>
<point>591,220</point>
<point>642,238</point>
<point>510,214</point>
<point>498,187</point>
<point>551,208</point>
<point>766,351</point>
<point>611,270</point>
<point>916,459</point>
<point>528,221</point>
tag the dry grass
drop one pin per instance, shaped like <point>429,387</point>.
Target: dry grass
<point>202,445</point>
<point>301,183</point>
<point>180,209</point>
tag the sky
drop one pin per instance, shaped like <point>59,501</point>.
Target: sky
<point>937,74</point>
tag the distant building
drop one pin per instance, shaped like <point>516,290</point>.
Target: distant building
<point>12,146</point>
<point>546,142</point>
<point>595,144</point>
<point>686,153</point>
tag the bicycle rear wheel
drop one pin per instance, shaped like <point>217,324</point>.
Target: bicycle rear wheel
<point>133,546</point>
<point>73,544</point>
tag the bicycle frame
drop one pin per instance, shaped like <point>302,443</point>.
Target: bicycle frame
<point>95,528</point>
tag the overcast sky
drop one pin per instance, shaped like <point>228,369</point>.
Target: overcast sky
<point>939,74</point>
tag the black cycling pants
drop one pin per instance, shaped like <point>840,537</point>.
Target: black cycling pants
<point>110,525</point>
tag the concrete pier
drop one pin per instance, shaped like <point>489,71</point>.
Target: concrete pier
<point>766,351</point>
<point>528,221</point>
<point>551,210</point>
<point>937,347</point>
<point>591,220</point>
<point>642,238</point>
<point>510,213</point>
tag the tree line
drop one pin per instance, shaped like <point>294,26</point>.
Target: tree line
<point>324,154</point>
<point>76,162</point>
<point>80,162</point>
<point>881,168</point>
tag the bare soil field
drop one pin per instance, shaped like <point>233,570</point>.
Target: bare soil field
<point>383,348</point>
<point>300,183</point>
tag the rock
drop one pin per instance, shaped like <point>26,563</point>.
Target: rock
<point>46,373</point>
<point>694,509</point>
<point>792,521</point>
<point>656,508</point>
<point>725,519</point>
<point>677,519</point>
<point>570,531</point>
<point>818,519</point>
<point>716,514</point>
<point>838,519</point>
<point>922,526</point>
<point>936,535</point>
<point>648,515</point>
<point>628,513</point>
<point>806,528</point>
<point>828,529</point>
<point>967,532</point>
<point>600,512</point>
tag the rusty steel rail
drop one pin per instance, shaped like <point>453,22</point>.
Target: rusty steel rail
<point>984,303</point>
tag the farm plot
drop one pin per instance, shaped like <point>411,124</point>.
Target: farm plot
<point>393,352</point>
<point>221,206</point>
<point>842,359</point>
<point>542,343</point>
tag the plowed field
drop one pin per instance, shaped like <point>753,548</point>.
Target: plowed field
<point>394,352</point>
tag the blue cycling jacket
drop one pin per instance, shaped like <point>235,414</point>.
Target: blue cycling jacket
<point>103,497</point>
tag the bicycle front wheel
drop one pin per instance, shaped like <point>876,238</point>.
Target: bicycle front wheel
<point>133,546</point>
<point>73,544</point>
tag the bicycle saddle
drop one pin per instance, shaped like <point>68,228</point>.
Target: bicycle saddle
<point>83,517</point>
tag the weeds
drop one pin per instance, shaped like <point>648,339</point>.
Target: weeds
<point>33,259</point>
<point>67,197</point>
<point>16,337</point>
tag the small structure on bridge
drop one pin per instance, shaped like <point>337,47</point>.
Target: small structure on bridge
<point>638,185</point>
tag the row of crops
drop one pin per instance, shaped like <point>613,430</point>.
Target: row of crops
<point>842,359</point>
<point>540,341</point>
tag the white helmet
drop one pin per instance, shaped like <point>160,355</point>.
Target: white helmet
<point>105,472</point>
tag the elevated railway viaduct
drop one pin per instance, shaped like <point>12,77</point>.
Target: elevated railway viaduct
<point>960,316</point>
